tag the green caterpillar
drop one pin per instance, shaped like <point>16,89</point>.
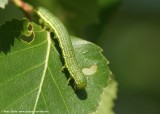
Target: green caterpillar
<point>56,26</point>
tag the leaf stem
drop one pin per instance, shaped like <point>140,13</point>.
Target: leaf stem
<point>27,8</point>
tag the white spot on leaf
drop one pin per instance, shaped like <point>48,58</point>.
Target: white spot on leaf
<point>91,70</point>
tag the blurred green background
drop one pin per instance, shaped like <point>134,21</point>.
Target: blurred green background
<point>129,33</point>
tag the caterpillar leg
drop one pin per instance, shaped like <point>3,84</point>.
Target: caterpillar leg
<point>63,67</point>
<point>68,81</point>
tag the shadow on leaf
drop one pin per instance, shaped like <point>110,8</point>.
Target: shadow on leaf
<point>12,30</point>
<point>8,33</point>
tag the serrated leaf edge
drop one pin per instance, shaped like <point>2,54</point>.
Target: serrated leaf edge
<point>105,90</point>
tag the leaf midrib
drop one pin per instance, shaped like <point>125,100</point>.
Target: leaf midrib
<point>44,71</point>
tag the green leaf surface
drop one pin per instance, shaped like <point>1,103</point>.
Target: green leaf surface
<point>3,3</point>
<point>108,96</point>
<point>31,77</point>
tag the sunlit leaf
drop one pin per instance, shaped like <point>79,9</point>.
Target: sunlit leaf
<point>32,80</point>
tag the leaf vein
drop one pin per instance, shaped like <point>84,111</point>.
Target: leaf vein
<point>26,48</point>
<point>44,71</point>
<point>44,101</point>
<point>21,74</point>
<point>59,90</point>
<point>11,104</point>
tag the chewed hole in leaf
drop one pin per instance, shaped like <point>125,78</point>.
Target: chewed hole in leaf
<point>27,34</point>
<point>27,39</point>
<point>30,28</point>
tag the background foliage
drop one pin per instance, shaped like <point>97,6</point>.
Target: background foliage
<point>128,31</point>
